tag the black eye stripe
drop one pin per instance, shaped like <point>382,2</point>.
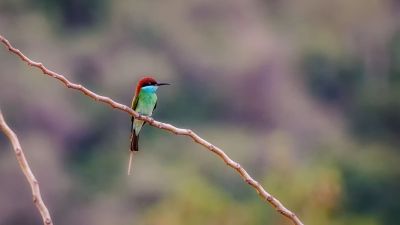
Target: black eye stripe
<point>149,84</point>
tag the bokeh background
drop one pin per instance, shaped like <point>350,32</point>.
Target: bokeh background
<point>304,94</point>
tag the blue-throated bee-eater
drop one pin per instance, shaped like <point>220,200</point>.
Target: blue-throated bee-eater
<point>144,102</point>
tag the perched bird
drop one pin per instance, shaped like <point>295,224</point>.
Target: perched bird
<point>144,102</point>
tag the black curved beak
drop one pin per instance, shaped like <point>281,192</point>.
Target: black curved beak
<point>161,84</point>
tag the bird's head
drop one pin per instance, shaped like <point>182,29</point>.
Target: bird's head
<point>148,84</point>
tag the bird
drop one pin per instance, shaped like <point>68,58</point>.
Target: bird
<point>144,102</point>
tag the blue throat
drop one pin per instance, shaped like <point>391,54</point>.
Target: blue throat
<point>149,89</point>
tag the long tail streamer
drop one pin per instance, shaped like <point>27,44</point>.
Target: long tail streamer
<point>130,162</point>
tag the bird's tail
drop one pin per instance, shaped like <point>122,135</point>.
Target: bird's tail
<point>134,142</point>
<point>134,148</point>
<point>130,161</point>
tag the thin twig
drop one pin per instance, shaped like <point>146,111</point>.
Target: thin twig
<point>165,126</point>
<point>37,198</point>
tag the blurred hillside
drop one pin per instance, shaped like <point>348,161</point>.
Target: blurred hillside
<point>304,94</point>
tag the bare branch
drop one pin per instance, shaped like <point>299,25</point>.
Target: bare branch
<point>37,198</point>
<point>165,126</point>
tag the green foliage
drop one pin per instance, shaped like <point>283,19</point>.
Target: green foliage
<point>369,100</point>
<point>371,183</point>
<point>197,201</point>
<point>335,81</point>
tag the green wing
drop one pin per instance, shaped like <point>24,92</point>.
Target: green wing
<point>133,106</point>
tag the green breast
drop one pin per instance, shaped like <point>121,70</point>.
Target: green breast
<point>146,103</point>
<point>145,106</point>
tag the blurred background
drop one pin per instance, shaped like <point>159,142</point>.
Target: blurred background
<point>303,94</point>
